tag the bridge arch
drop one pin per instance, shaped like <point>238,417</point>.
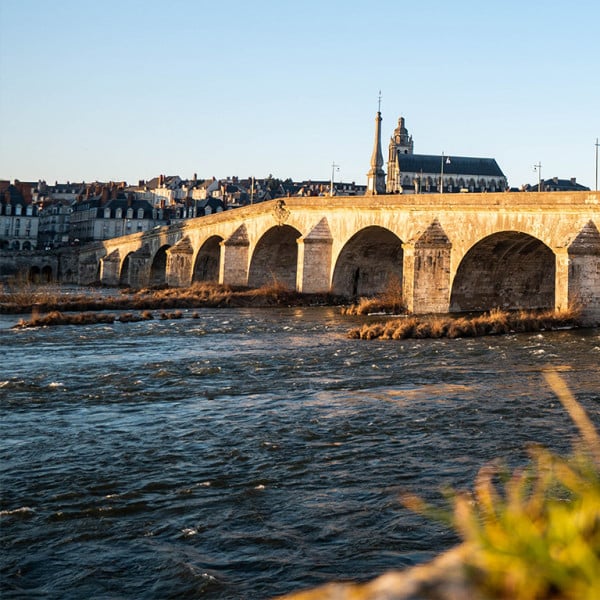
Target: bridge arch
<point>369,260</point>
<point>507,270</point>
<point>46,275</point>
<point>275,258</point>
<point>35,274</point>
<point>158,267</point>
<point>206,265</point>
<point>125,272</point>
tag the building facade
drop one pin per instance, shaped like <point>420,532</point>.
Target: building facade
<point>112,212</point>
<point>18,219</point>
<point>410,173</point>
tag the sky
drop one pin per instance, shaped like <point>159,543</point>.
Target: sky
<point>130,89</point>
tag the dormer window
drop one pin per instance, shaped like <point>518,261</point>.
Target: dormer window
<point>119,213</point>
<point>130,213</point>
<point>18,209</point>
<point>140,213</point>
<point>107,213</point>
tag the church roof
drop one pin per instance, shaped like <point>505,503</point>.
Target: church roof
<point>453,165</point>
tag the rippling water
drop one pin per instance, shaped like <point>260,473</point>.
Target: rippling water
<point>249,453</point>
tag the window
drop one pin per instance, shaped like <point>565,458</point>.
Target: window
<point>140,213</point>
<point>130,213</point>
<point>119,213</point>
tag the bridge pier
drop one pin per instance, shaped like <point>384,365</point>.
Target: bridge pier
<point>138,274</point>
<point>314,260</point>
<point>426,272</point>
<point>179,263</point>
<point>109,268</point>
<point>233,266</point>
<point>584,273</point>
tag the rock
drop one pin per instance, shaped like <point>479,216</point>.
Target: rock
<point>443,578</point>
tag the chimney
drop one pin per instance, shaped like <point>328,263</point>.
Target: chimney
<point>195,178</point>
<point>104,198</point>
<point>574,180</point>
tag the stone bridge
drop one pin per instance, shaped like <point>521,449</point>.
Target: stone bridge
<point>449,252</point>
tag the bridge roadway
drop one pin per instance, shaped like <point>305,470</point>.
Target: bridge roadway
<point>449,252</point>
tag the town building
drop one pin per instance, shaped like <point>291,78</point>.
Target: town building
<point>556,185</point>
<point>109,211</point>
<point>410,173</point>
<point>55,223</point>
<point>18,216</point>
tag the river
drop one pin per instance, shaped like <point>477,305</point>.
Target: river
<point>249,453</point>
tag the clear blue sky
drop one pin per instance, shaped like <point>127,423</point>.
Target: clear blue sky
<point>128,89</point>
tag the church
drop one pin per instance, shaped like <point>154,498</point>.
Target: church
<point>410,173</point>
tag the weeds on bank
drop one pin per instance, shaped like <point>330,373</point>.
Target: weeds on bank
<point>495,322</point>
<point>55,318</point>
<point>205,294</point>
<point>390,301</point>
<point>534,534</point>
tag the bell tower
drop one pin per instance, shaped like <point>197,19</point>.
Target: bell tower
<point>400,143</point>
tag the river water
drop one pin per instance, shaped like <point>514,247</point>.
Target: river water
<point>250,453</point>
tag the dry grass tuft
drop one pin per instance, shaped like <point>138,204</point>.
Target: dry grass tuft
<point>389,301</point>
<point>496,322</point>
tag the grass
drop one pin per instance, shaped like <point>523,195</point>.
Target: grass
<point>390,301</point>
<point>495,322</point>
<point>534,534</point>
<point>55,318</point>
<point>25,299</point>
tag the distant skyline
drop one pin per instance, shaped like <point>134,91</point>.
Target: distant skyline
<point>130,89</point>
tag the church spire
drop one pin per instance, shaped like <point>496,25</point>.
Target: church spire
<point>376,174</point>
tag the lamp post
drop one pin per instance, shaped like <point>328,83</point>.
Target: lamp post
<point>596,144</point>
<point>334,168</point>
<point>447,161</point>
<point>538,168</point>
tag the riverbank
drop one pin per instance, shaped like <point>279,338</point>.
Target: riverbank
<point>49,305</point>
<point>46,299</point>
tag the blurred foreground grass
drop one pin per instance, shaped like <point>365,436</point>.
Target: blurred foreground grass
<point>535,533</point>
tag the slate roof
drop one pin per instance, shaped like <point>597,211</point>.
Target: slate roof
<point>557,185</point>
<point>458,165</point>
